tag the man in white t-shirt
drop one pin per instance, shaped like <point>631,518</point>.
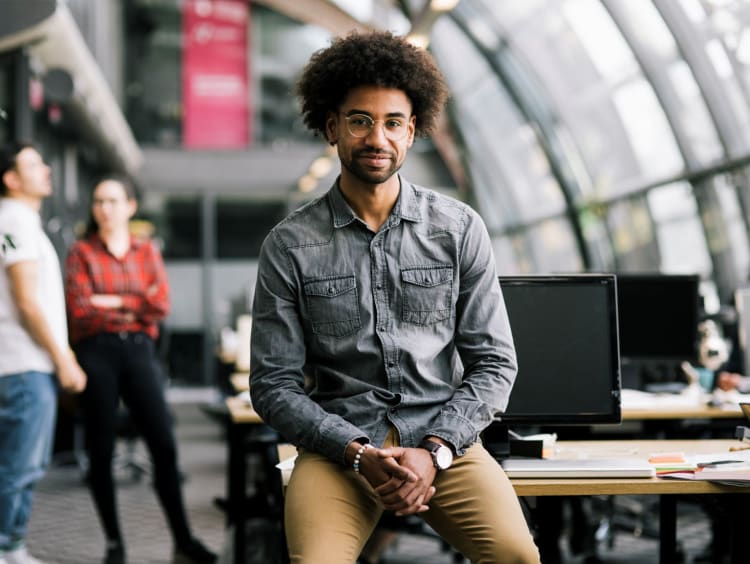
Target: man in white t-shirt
<point>33,343</point>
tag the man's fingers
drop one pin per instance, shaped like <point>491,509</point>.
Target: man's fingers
<point>428,495</point>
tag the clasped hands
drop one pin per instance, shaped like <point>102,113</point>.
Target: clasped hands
<point>402,477</point>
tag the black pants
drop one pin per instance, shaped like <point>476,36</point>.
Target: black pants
<point>123,365</point>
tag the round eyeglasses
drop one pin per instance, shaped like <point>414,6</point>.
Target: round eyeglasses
<point>361,125</point>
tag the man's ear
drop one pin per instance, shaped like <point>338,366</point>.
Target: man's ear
<point>331,129</point>
<point>10,179</point>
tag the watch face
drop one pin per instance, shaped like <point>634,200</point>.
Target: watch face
<point>443,457</point>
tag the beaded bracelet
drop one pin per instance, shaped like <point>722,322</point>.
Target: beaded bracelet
<point>358,456</point>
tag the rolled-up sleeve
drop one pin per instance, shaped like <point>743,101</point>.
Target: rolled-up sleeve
<point>278,360</point>
<point>484,343</point>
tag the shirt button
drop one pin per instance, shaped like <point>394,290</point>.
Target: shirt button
<point>379,287</point>
<point>391,364</point>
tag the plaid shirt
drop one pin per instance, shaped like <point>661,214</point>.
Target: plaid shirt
<point>139,278</point>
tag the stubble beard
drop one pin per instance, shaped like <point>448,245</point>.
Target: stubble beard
<point>368,176</point>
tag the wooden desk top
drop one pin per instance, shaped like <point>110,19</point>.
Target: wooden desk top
<point>639,405</point>
<point>242,413</point>
<point>679,412</point>
<point>240,381</point>
<point>624,486</point>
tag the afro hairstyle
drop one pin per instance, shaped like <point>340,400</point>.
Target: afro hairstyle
<point>377,58</point>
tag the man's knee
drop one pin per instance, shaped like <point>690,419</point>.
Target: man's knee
<point>521,551</point>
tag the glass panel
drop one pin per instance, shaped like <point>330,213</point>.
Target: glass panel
<point>510,173</point>
<point>722,28</point>
<point>647,128</point>
<point>673,201</point>
<point>679,232</point>
<point>595,82</point>
<point>506,258</point>
<point>554,247</point>
<point>732,217</point>
<point>633,237</point>
<point>655,41</point>
<point>594,228</point>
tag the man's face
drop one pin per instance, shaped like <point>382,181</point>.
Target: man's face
<point>376,156</point>
<point>30,178</point>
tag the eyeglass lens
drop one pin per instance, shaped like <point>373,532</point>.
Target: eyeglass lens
<point>360,125</point>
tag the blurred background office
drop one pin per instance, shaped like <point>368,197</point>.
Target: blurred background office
<point>592,135</point>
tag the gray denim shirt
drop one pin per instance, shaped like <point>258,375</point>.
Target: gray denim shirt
<point>355,331</point>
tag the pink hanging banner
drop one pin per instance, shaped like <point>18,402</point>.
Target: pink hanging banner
<point>215,92</point>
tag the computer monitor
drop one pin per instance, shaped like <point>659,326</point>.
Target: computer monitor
<point>565,334</point>
<point>658,317</point>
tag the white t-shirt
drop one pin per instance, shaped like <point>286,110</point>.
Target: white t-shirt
<point>23,239</point>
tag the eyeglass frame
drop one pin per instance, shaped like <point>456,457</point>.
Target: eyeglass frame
<point>372,126</point>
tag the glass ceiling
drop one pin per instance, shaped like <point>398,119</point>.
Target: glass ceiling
<point>605,134</point>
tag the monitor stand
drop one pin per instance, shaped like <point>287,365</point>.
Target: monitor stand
<point>503,443</point>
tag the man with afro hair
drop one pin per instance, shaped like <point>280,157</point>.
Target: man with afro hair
<point>381,346</point>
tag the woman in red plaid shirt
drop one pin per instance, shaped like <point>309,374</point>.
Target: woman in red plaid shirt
<point>116,293</point>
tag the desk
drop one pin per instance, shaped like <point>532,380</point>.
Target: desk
<point>240,381</point>
<point>639,405</point>
<point>665,488</point>
<point>247,434</point>
<point>243,419</point>
<point>680,412</point>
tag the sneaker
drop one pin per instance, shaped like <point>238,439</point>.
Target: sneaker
<point>114,555</point>
<point>20,556</point>
<point>193,553</point>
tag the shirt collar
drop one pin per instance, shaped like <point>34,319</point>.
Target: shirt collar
<point>406,207</point>
<point>135,242</point>
<point>20,207</point>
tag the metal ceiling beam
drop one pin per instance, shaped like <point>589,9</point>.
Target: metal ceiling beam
<point>318,12</point>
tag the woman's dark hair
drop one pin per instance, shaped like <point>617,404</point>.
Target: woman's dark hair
<point>371,59</point>
<point>8,158</point>
<point>130,193</point>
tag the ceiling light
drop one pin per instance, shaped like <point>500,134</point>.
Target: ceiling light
<point>443,5</point>
<point>307,183</point>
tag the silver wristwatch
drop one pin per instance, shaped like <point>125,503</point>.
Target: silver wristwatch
<point>442,456</point>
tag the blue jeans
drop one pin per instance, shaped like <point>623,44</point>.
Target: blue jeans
<point>28,408</point>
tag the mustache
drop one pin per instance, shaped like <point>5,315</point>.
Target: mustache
<point>368,153</point>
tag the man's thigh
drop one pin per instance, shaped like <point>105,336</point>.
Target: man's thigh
<point>477,511</point>
<point>28,408</point>
<point>330,512</point>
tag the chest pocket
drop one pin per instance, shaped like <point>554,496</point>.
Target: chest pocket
<point>427,294</point>
<point>333,305</point>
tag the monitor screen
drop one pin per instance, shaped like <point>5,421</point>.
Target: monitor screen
<point>565,334</point>
<point>658,316</point>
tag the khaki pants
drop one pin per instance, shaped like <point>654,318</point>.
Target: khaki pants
<point>331,511</point>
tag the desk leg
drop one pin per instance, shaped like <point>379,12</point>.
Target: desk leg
<point>667,529</point>
<point>237,470</point>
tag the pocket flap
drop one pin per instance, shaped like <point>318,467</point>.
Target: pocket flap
<point>330,287</point>
<point>427,277</point>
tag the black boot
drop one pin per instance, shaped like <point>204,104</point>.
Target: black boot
<point>193,553</point>
<point>115,554</point>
